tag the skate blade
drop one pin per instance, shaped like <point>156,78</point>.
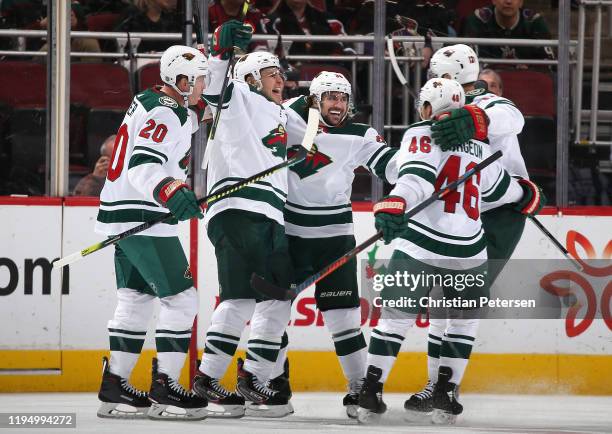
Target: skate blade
<point>218,411</point>
<point>441,417</point>
<point>170,412</point>
<point>367,417</point>
<point>351,411</point>
<point>416,416</point>
<point>271,411</point>
<point>113,410</point>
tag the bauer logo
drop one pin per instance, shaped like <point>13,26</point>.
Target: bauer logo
<point>168,102</point>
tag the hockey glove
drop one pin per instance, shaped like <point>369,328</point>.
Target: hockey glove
<point>175,195</point>
<point>459,126</point>
<point>390,217</point>
<point>533,198</point>
<point>231,34</point>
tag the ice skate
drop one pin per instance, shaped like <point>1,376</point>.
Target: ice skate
<point>419,406</point>
<point>170,401</point>
<point>282,385</point>
<point>351,399</point>
<point>232,404</point>
<point>264,401</point>
<point>445,404</point>
<point>119,398</point>
<point>371,405</point>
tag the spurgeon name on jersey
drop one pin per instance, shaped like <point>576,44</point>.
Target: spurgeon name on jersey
<point>153,143</point>
<point>451,227</point>
<point>319,198</point>
<point>250,138</point>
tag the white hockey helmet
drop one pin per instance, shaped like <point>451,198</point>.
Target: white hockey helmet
<point>253,63</point>
<point>327,81</point>
<point>459,61</point>
<point>182,60</point>
<point>442,94</point>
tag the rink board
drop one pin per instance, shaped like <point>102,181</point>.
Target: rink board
<point>54,330</point>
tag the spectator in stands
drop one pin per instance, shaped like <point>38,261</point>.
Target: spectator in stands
<point>494,81</point>
<point>77,23</point>
<point>91,185</point>
<point>20,14</point>
<point>297,17</point>
<point>221,11</point>
<point>157,16</point>
<point>508,19</point>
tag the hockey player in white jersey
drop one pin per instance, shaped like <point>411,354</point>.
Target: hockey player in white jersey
<point>445,239</point>
<point>246,227</point>
<point>146,178</point>
<point>503,226</point>
<point>318,213</point>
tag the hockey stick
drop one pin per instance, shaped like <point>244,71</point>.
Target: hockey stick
<point>311,132</point>
<point>228,71</point>
<point>275,292</point>
<point>556,243</point>
<point>398,72</point>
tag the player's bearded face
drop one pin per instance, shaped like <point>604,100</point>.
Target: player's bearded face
<point>272,82</point>
<point>198,88</point>
<point>334,106</point>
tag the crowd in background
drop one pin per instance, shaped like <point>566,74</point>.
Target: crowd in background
<point>428,18</point>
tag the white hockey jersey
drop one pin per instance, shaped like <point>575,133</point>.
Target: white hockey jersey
<point>448,232</point>
<point>250,138</point>
<point>319,198</point>
<point>505,122</point>
<point>153,143</point>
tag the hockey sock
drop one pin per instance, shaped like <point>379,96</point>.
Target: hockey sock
<point>267,328</point>
<point>457,346</point>
<point>345,327</point>
<point>385,342</point>
<point>223,335</point>
<point>434,341</point>
<point>279,366</point>
<point>127,330</point>
<point>125,347</point>
<point>173,332</point>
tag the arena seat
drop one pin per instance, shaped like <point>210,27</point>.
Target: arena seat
<point>24,84</point>
<point>102,22</point>
<point>465,8</point>
<point>100,85</point>
<point>309,71</point>
<point>148,76</point>
<point>102,123</point>
<point>532,91</point>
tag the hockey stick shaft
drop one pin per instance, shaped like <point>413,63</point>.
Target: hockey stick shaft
<point>556,243</point>
<point>230,64</point>
<point>307,141</point>
<point>226,191</point>
<point>326,271</point>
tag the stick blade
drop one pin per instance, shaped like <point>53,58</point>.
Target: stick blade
<point>270,290</point>
<point>66,260</point>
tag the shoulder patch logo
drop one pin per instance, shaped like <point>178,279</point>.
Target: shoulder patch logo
<point>168,102</point>
<point>276,141</point>
<point>315,161</point>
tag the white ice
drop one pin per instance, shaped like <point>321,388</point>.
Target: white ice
<point>323,413</point>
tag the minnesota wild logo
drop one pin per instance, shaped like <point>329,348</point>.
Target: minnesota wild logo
<point>276,141</point>
<point>315,161</point>
<point>184,162</point>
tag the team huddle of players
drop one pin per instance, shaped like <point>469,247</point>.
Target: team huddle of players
<point>293,223</point>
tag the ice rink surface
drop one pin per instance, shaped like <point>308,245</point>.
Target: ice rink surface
<point>322,413</point>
